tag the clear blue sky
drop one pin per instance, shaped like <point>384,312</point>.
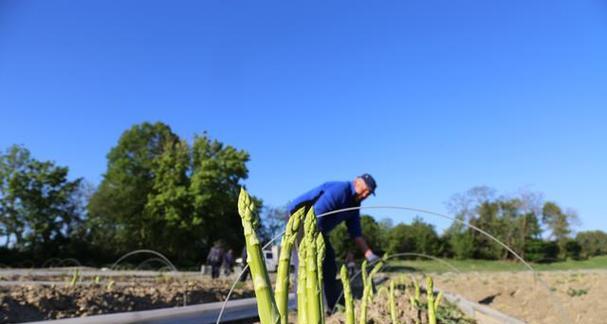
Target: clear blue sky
<point>430,97</point>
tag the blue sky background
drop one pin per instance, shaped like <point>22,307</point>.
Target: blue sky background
<point>431,97</point>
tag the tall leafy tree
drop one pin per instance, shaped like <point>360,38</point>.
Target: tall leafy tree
<point>592,243</point>
<point>459,239</point>
<point>559,224</point>
<point>12,163</point>
<point>38,205</point>
<point>217,171</point>
<point>159,193</point>
<point>45,196</point>
<point>169,207</point>
<point>513,221</point>
<point>117,211</point>
<point>417,237</point>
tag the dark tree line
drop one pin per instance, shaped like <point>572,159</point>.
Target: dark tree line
<point>536,230</point>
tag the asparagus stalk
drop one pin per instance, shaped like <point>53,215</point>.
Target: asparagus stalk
<point>392,303</point>
<point>431,306</point>
<point>382,290</point>
<point>284,263</point>
<point>301,284</point>
<point>363,306</point>
<point>415,300</point>
<point>375,270</point>
<point>437,301</point>
<point>320,257</point>
<point>363,271</point>
<point>345,280</point>
<point>75,278</point>
<point>313,292</point>
<point>368,290</point>
<point>266,305</point>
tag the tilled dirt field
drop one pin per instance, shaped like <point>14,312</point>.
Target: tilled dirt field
<point>570,296</point>
<point>379,310</point>
<point>33,301</point>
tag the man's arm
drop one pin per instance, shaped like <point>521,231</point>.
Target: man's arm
<point>362,244</point>
<point>365,249</point>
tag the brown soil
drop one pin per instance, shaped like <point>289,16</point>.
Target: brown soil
<point>570,296</point>
<point>42,302</point>
<point>378,310</point>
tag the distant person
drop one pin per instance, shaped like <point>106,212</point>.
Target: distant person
<point>228,262</point>
<point>215,259</point>
<point>332,196</point>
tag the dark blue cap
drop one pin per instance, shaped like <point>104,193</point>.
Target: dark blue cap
<point>370,182</point>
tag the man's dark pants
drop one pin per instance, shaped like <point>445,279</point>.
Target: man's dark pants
<point>215,270</point>
<point>329,272</point>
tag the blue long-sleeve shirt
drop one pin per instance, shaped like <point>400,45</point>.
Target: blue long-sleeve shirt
<point>332,196</point>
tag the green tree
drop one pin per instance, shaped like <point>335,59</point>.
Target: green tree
<point>37,201</point>
<point>489,221</point>
<point>168,207</point>
<point>372,231</point>
<point>418,237</point>
<point>217,170</point>
<point>592,243</point>
<point>117,211</point>
<point>12,163</point>
<point>159,193</point>
<point>459,239</point>
<point>401,240</point>
<point>462,245</point>
<point>513,221</point>
<point>559,224</point>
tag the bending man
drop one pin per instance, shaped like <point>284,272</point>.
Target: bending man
<point>331,196</point>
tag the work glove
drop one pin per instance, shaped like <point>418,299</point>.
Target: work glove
<point>371,257</point>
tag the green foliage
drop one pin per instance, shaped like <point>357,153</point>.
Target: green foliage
<point>559,223</point>
<point>37,201</point>
<point>508,223</point>
<point>374,233</point>
<point>462,245</point>
<point>161,194</point>
<point>217,170</point>
<point>400,239</point>
<point>118,212</point>
<point>572,292</point>
<point>573,250</point>
<point>537,250</point>
<point>513,221</point>
<point>418,237</point>
<point>592,243</point>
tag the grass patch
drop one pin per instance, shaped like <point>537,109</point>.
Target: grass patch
<point>599,262</point>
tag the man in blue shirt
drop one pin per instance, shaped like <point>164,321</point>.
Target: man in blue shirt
<point>331,196</point>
